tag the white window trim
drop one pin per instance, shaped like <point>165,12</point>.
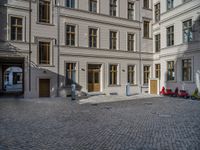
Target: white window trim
<point>150,72</point>
<point>23,28</point>
<point>175,71</point>
<point>192,70</point>
<point>76,34</point>
<point>51,51</point>
<point>118,74</point>
<point>98,34</point>
<point>76,68</point>
<point>134,46</point>
<point>135,74</point>
<point>51,13</point>
<point>117,42</point>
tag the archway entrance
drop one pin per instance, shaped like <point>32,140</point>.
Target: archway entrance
<point>12,77</point>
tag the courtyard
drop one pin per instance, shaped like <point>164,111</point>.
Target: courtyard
<point>149,123</point>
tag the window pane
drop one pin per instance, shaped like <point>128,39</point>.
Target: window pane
<point>113,7</point>
<point>44,52</point>
<point>186,70</point>
<point>16,29</point>
<point>44,11</point>
<point>113,74</point>
<point>146,29</point>
<point>146,74</point>
<point>187,31</point>
<point>146,4</point>
<point>70,73</point>
<point>113,40</point>
<point>93,6</point>
<point>70,35</point>
<point>130,10</point>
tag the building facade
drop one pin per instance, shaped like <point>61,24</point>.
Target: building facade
<point>176,43</point>
<point>99,45</point>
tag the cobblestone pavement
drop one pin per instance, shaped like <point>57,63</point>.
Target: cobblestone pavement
<point>59,124</point>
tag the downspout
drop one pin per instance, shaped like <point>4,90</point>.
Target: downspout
<point>140,45</point>
<point>30,18</point>
<point>58,46</point>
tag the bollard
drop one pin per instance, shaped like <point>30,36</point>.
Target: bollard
<point>127,89</point>
<point>73,91</point>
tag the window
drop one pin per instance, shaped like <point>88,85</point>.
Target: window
<point>186,70</point>
<point>170,36</point>
<point>146,74</point>
<point>157,71</point>
<point>146,4</point>
<point>113,7</point>
<point>131,74</point>
<point>113,71</point>
<point>92,38</point>
<point>170,71</point>
<point>70,3</point>
<point>16,29</point>
<point>157,12</point>
<point>113,40</point>
<point>146,29</point>
<point>44,53</point>
<point>170,4</point>
<point>93,6</point>
<point>187,31</point>
<point>44,11</point>
<point>130,10</point>
<point>157,42</point>
<point>70,37</point>
<point>130,42</point>
<point>70,73</point>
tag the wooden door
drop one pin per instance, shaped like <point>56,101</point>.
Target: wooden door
<point>44,88</point>
<point>153,87</point>
<point>94,78</point>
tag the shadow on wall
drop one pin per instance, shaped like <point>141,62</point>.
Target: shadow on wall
<point>64,89</point>
<point>188,50</point>
<point>38,72</point>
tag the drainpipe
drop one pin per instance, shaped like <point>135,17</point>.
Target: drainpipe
<point>140,45</point>
<point>30,18</point>
<point>58,46</point>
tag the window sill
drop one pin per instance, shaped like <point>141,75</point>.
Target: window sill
<point>147,8</point>
<point>41,65</point>
<point>71,46</point>
<point>114,85</point>
<point>170,46</point>
<point>171,81</point>
<point>187,82</point>
<point>145,86</point>
<point>17,41</point>
<point>133,85</point>
<point>148,38</point>
<point>47,24</point>
<point>189,42</point>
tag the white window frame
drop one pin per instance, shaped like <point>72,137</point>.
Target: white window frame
<point>118,74</point>
<point>51,60</point>
<point>51,12</point>
<point>23,27</point>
